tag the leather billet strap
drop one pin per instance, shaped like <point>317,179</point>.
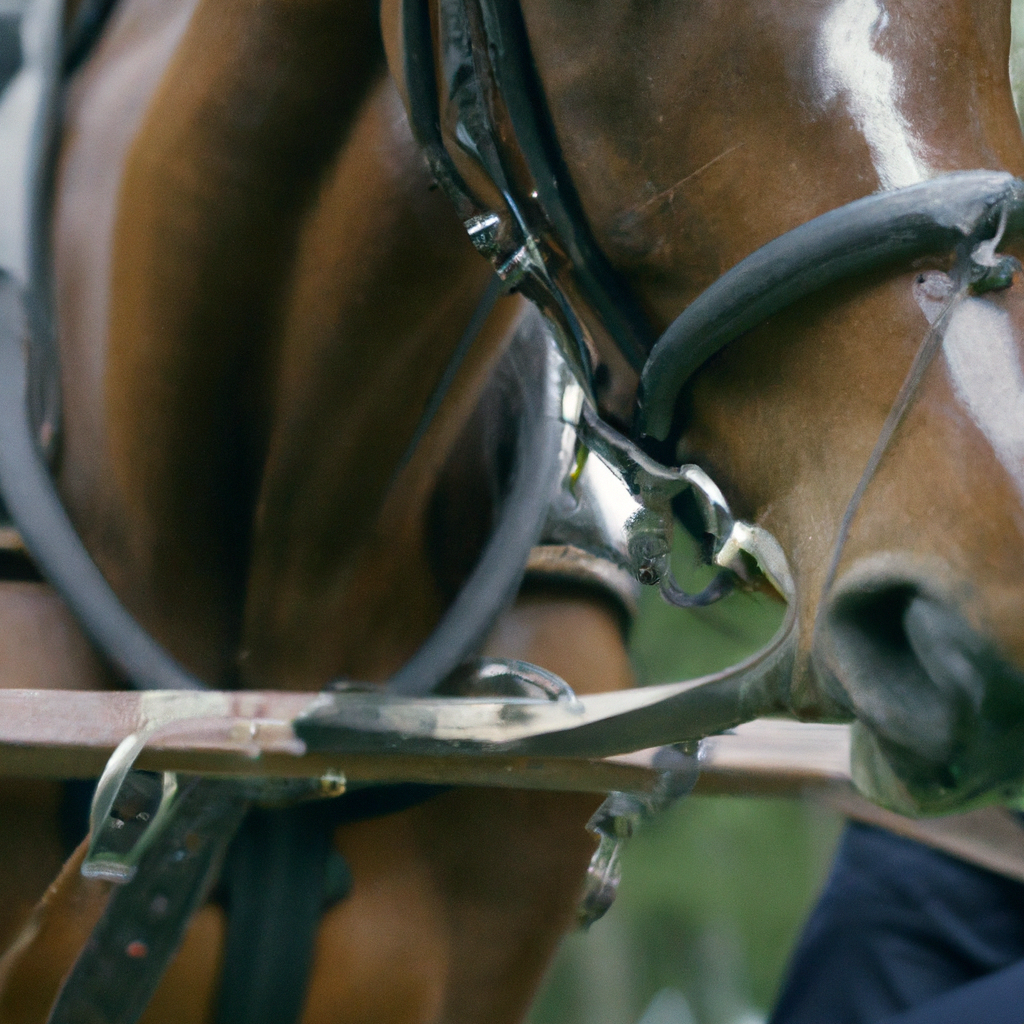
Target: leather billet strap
<point>575,567</point>
<point>955,210</point>
<point>144,922</point>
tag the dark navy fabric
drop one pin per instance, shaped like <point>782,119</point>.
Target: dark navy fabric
<point>899,924</point>
<point>995,999</point>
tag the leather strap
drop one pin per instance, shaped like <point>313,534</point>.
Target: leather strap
<point>145,920</point>
<point>32,499</point>
<point>280,875</point>
<point>990,838</point>
<point>575,567</point>
<point>879,230</point>
<point>274,878</point>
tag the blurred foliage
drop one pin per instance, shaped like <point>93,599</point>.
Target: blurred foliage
<point>714,891</point>
<point>712,898</point>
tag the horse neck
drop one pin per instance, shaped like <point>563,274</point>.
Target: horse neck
<point>264,293</point>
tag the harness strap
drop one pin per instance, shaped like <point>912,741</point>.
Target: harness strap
<point>281,874</point>
<point>934,216</point>
<point>48,533</point>
<point>501,47</point>
<point>274,880</point>
<point>572,566</point>
<point>144,922</point>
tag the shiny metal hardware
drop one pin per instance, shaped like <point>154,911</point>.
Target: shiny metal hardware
<point>332,784</point>
<point>488,677</point>
<point>125,821</point>
<point>513,271</point>
<point>989,270</point>
<point>591,510</point>
<point>737,546</point>
<point>131,810</point>
<point>483,233</point>
<point>617,820</point>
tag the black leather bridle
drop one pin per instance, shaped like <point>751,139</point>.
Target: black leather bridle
<point>478,110</point>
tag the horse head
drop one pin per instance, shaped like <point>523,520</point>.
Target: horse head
<point>874,425</point>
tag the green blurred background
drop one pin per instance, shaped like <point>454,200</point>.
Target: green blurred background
<point>713,892</point>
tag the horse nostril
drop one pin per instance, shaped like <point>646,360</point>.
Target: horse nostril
<point>942,707</point>
<point>875,622</point>
<point>905,664</point>
<point>871,654</point>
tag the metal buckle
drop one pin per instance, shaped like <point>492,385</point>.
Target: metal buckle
<point>741,549</point>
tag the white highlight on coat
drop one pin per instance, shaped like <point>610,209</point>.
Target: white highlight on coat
<point>852,69</point>
<point>983,359</point>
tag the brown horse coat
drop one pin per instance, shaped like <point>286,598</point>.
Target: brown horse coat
<point>243,244</point>
<point>258,291</point>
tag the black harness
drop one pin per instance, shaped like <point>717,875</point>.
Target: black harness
<point>476,102</point>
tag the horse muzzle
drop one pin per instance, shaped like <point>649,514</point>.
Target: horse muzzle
<point>939,710</point>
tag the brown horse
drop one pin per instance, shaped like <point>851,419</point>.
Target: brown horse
<point>258,293</point>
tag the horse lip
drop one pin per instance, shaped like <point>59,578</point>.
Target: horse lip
<point>943,708</point>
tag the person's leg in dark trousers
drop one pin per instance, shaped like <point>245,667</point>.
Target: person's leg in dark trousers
<point>995,999</point>
<point>898,924</point>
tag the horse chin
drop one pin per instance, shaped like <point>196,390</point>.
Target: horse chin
<point>939,711</point>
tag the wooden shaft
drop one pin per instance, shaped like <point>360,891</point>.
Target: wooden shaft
<point>71,734</point>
